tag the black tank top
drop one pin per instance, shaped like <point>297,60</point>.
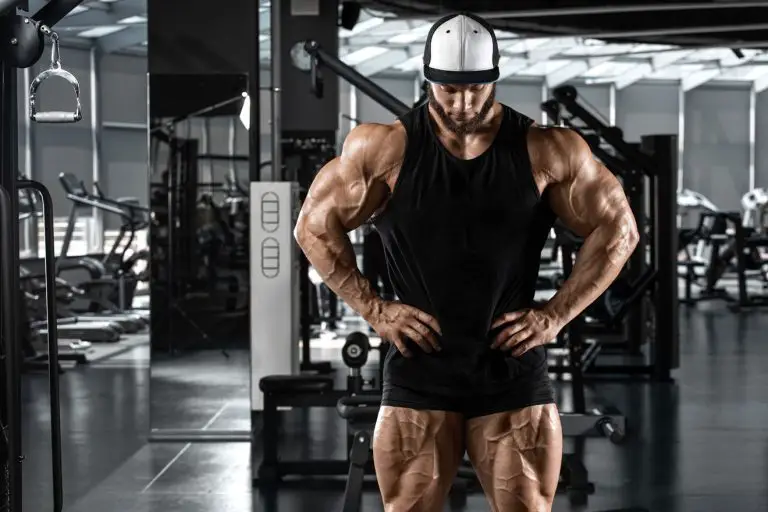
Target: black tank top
<point>463,241</point>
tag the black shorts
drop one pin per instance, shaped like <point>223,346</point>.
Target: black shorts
<point>533,390</point>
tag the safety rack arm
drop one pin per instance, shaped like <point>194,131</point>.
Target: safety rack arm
<point>351,75</point>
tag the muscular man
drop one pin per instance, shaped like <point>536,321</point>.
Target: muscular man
<point>463,191</point>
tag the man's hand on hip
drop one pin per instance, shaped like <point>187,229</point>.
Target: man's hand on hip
<point>524,330</point>
<point>398,322</point>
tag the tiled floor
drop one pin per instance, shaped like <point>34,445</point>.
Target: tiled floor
<point>698,445</point>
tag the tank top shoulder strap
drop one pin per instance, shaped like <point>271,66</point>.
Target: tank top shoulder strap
<point>416,131</point>
<point>516,127</point>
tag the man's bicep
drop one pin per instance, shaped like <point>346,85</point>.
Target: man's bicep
<point>590,196</point>
<point>343,195</point>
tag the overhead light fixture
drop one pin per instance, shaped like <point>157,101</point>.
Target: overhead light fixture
<point>131,20</point>
<point>77,10</point>
<point>245,112</point>
<point>96,32</point>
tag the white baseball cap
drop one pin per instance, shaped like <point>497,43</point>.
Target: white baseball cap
<point>461,49</point>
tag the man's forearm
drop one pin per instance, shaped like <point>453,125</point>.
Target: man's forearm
<point>333,257</point>
<point>598,263</point>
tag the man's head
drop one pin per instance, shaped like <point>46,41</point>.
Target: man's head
<point>461,62</point>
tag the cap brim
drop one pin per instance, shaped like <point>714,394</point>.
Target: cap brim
<point>440,76</point>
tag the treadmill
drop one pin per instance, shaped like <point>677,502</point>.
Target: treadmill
<point>100,284</point>
<point>92,329</point>
<point>33,284</point>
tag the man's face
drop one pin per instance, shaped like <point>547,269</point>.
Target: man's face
<point>461,107</point>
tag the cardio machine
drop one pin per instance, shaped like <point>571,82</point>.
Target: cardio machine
<point>31,278</point>
<point>111,281</point>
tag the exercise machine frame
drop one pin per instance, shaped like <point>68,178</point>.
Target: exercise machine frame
<point>656,158</point>
<point>50,14</point>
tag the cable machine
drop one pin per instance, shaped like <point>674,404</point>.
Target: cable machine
<point>22,38</point>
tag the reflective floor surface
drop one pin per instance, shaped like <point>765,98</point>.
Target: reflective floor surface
<point>698,445</point>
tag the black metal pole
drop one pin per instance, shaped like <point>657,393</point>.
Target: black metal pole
<point>254,93</point>
<point>10,282</point>
<point>634,186</point>
<point>173,241</point>
<point>363,84</point>
<point>49,15</point>
<point>53,339</point>
<point>9,335</point>
<point>666,347</point>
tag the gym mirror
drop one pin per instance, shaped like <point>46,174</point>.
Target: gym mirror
<point>200,374</point>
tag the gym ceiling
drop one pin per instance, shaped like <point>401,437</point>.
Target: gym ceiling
<point>619,42</point>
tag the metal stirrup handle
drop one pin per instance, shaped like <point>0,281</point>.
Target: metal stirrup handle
<point>58,71</point>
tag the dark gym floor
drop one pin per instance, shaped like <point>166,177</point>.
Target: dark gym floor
<point>699,445</point>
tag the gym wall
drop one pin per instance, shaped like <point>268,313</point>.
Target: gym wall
<point>761,148</point>
<point>716,156</point>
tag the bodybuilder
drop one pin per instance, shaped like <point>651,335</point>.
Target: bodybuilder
<point>464,191</point>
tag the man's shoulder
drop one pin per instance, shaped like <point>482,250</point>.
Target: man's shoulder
<point>382,145</point>
<point>556,137</point>
<point>377,132</point>
<point>554,149</point>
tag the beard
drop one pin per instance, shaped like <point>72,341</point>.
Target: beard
<point>466,123</point>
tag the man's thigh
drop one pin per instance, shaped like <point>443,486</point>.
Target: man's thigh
<point>416,454</point>
<point>517,457</point>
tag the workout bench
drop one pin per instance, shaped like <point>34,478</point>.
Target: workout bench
<point>294,391</point>
<point>307,391</point>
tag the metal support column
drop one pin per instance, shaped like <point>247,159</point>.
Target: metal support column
<point>752,136</point>
<point>10,281</point>
<point>231,149</point>
<point>680,136</point>
<point>254,93</point>
<point>11,497</point>
<point>206,168</point>
<point>97,235</point>
<point>544,99</point>
<point>275,96</point>
<point>353,100</point>
<point>666,346</point>
<point>612,104</point>
<point>31,227</point>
